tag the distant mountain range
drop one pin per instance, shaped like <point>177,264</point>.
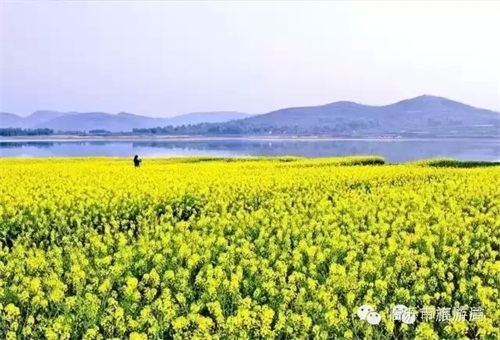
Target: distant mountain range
<point>121,122</point>
<point>423,115</point>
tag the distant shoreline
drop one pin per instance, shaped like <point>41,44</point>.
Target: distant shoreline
<point>191,138</point>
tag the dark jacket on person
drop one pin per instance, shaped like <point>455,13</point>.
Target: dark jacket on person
<point>137,161</point>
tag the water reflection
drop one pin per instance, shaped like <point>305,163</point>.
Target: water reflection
<point>392,150</point>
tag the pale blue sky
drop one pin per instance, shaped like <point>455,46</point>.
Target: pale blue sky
<point>163,58</point>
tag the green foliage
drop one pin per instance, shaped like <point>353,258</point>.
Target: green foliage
<point>453,163</point>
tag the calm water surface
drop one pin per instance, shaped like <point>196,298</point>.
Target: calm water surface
<point>392,150</point>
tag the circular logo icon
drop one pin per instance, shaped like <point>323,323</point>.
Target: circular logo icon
<point>363,311</point>
<point>373,318</point>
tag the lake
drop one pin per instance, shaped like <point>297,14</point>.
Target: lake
<point>399,150</point>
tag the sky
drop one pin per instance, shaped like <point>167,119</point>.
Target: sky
<point>164,58</point>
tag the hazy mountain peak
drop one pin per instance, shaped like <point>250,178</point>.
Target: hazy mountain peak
<point>10,120</point>
<point>344,103</point>
<point>9,114</point>
<point>126,114</point>
<point>214,113</point>
<point>42,116</point>
<point>122,121</point>
<point>206,117</point>
<point>426,98</point>
<point>429,102</point>
<point>424,114</point>
<point>44,113</point>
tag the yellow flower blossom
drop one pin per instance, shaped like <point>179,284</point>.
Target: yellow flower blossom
<point>242,249</point>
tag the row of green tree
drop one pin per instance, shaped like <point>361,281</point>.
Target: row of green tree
<point>236,128</point>
<point>9,132</point>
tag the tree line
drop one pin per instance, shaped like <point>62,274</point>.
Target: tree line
<point>237,128</point>
<point>9,132</point>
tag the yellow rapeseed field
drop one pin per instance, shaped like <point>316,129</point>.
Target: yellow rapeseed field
<point>266,248</point>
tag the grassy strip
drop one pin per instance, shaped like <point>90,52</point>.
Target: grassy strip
<point>453,163</point>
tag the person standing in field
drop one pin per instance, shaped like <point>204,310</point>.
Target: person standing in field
<point>137,161</point>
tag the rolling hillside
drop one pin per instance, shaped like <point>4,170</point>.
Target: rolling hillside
<point>121,122</point>
<point>423,114</point>
<point>10,120</point>
<point>206,117</point>
<point>420,116</point>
